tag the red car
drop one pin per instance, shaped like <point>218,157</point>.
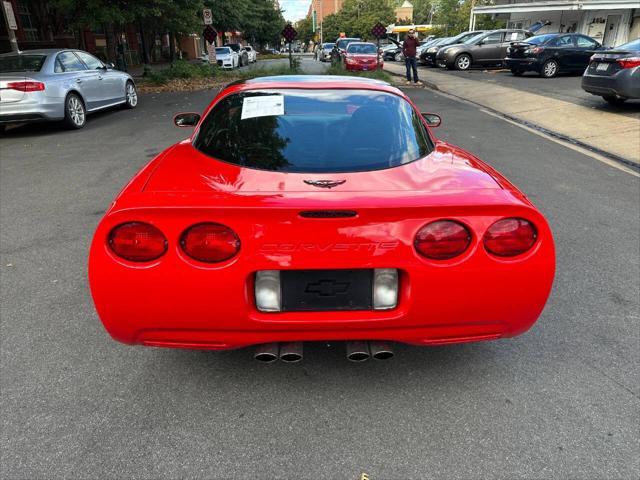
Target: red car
<point>310,208</point>
<point>362,56</point>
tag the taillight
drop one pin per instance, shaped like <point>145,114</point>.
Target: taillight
<point>442,239</point>
<point>630,62</point>
<point>510,237</point>
<point>137,242</point>
<point>210,242</point>
<point>26,86</point>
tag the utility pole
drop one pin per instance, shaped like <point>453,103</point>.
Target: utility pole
<point>10,22</point>
<point>321,19</point>
<point>471,16</point>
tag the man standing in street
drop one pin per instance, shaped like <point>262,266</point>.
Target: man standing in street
<point>409,48</point>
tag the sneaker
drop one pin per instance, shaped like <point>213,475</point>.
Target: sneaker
<point>418,82</point>
<point>408,82</point>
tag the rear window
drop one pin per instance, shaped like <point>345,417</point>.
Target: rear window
<point>362,49</point>
<point>344,42</point>
<point>633,45</point>
<point>313,131</point>
<point>22,63</point>
<point>540,39</point>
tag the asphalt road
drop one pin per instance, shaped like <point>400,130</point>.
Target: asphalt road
<point>565,87</point>
<point>560,401</point>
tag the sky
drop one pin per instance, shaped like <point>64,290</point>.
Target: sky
<point>294,9</point>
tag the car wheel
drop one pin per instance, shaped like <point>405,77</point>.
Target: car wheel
<point>517,72</point>
<point>614,100</point>
<point>463,62</point>
<point>549,69</point>
<point>398,57</point>
<point>75,115</point>
<point>131,95</point>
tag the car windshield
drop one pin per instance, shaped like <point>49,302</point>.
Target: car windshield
<point>320,131</point>
<point>22,63</point>
<point>475,38</point>
<point>328,46</point>
<point>222,51</point>
<point>540,39</point>
<point>633,45</point>
<point>342,44</point>
<point>362,49</point>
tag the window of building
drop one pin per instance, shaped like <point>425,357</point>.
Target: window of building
<point>27,22</point>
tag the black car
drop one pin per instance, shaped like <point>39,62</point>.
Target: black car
<point>243,56</point>
<point>614,74</point>
<point>551,54</point>
<point>428,55</point>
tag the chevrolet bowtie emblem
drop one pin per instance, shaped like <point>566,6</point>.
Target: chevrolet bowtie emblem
<point>324,183</point>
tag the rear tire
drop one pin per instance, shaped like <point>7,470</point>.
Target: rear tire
<point>398,57</point>
<point>131,95</point>
<point>550,69</point>
<point>614,100</point>
<point>462,62</point>
<point>75,114</point>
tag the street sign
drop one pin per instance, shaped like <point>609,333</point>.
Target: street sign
<point>379,30</point>
<point>206,14</point>
<point>314,21</point>
<point>11,19</point>
<point>211,50</point>
<point>289,33</point>
<point>209,34</point>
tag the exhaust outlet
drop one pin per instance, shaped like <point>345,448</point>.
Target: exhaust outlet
<point>381,350</point>
<point>358,351</point>
<point>267,352</point>
<point>291,352</point>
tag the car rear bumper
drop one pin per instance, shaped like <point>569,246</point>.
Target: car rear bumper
<point>625,83</point>
<point>525,64</point>
<point>176,302</point>
<point>36,108</point>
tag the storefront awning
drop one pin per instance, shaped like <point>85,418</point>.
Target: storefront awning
<point>561,5</point>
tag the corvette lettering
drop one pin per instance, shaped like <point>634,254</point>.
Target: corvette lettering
<point>327,247</point>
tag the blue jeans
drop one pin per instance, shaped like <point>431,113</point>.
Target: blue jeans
<point>412,64</point>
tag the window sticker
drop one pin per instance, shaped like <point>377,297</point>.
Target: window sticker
<point>514,35</point>
<point>263,106</point>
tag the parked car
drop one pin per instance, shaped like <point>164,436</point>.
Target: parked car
<point>614,74</point>
<point>226,57</point>
<point>252,55</point>
<point>60,84</point>
<point>362,56</point>
<point>393,51</point>
<point>485,49</point>
<point>243,56</point>
<point>370,230</point>
<point>551,54</point>
<point>323,53</point>
<point>340,47</point>
<point>428,55</point>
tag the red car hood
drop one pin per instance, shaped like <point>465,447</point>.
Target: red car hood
<point>182,168</point>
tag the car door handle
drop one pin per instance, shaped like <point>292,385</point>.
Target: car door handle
<point>78,80</point>
<point>99,77</point>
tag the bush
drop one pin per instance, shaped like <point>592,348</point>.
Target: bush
<point>181,69</point>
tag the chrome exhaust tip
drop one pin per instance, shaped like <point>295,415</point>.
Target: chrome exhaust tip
<point>267,352</point>
<point>291,352</point>
<point>381,350</point>
<point>358,351</point>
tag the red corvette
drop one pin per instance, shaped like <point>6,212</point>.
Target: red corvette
<point>361,56</point>
<point>318,209</point>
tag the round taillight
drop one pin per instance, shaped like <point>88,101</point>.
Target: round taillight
<point>210,242</point>
<point>510,237</point>
<point>442,240</point>
<point>137,242</point>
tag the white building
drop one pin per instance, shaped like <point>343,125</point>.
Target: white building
<point>611,22</point>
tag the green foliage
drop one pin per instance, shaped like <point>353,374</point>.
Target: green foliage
<point>452,16</point>
<point>181,69</point>
<point>357,18</point>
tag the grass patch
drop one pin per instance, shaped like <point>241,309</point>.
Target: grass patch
<point>338,69</point>
<point>181,70</point>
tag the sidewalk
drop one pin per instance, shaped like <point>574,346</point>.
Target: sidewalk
<point>617,135</point>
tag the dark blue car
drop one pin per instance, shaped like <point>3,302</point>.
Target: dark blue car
<point>551,53</point>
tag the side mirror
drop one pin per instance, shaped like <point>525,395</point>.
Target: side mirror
<point>110,66</point>
<point>432,119</point>
<point>186,119</point>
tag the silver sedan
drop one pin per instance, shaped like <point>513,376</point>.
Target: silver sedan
<point>60,84</point>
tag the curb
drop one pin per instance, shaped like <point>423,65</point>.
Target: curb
<point>611,156</point>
